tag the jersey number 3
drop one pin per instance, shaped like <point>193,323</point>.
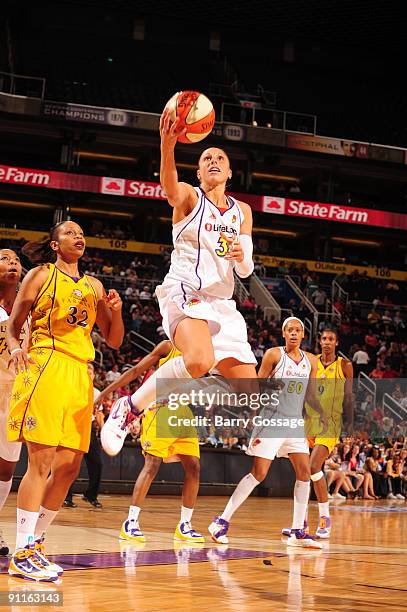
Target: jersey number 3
<point>223,248</point>
<point>75,318</point>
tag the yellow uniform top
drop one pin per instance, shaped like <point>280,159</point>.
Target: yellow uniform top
<point>174,352</point>
<point>63,316</point>
<point>331,389</point>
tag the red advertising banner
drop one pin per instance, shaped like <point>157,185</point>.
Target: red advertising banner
<point>152,191</point>
<point>333,212</point>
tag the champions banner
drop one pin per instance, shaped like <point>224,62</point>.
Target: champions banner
<point>148,190</point>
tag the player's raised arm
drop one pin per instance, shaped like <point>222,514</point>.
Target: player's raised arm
<point>179,195</point>
<point>161,350</point>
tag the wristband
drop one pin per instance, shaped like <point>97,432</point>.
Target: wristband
<point>15,351</point>
<point>245,268</point>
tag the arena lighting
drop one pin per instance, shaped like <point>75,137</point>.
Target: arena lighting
<point>95,155</point>
<point>106,213</point>
<point>275,177</point>
<point>371,243</point>
<point>275,232</point>
<point>22,204</point>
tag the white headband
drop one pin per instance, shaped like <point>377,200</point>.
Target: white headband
<point>288,319</point>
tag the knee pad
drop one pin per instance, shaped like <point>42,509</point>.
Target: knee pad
<point>317,476</point>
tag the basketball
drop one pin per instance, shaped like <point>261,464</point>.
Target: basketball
<point>195,112</point>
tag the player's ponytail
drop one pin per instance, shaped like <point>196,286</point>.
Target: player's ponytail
<point>39,251</point>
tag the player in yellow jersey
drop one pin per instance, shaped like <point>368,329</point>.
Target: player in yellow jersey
<point>335,378</point>
<point>159,444</point>
<point>52,398</point>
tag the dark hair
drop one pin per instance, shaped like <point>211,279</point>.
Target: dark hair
<point>329,328</point>
<point>39,251</point>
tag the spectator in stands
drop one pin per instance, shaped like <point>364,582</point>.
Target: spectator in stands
<point>373,317</point>
<point>379,478</point>
<point>294,189</point>
<point>389,372</point>
<point>107,268</point>
<point>249,303</point>
<point>113,374</point>
<point>259,267</point>
<point>145,294</point>
<point>361,360</point>
<point>355,469</point>
<point>394,471</point>
<point>378,371</point>
<point>319,298</point>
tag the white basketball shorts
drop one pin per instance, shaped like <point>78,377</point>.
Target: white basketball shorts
<point>226,325</point>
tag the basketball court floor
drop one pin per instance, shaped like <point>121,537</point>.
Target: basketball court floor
<point>362,567</point>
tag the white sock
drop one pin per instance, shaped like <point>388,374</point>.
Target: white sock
<point>301,495</point>
<point>4,491</point>
<point>323,508</point>
<point>134,511</point>
<point>45,519</point>
<point>146,394</point>
<point>26,522</point>
<point>240,494</point>
<point>186,514</point>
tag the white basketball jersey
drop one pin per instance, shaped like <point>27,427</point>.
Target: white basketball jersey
<point>198,259</point>
<point>7,375</point>
<point>295,377</point>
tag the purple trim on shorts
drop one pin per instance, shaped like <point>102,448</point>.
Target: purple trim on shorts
<point>190,221</point>
<point>184,294</point>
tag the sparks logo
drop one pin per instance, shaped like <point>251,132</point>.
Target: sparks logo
<point>212,216</point>
<point>77,293</point>
<point>30,423</point>
<point>193,302</point>
<point>113,186</point>
<point>274,205</point>
<point>234,219</point>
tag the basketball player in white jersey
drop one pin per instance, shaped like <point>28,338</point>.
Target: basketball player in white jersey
<point>212,239</point>
<point>10,274</point>
<point>293,370</point>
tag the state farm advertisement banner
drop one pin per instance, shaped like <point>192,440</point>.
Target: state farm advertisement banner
<point>147,190</point>
<point>333,212</point>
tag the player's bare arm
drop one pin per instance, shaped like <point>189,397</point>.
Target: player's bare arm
<point>235,248</point>
<point>181,196</point>
<point>270,359</point>
<point>109,314</point>
<point>161,350</point>
<point>29,291</point>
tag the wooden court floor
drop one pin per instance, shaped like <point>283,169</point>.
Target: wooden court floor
<point>362,567</point>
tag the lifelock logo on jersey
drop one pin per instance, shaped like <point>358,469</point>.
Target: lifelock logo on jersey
<point>218,227</point>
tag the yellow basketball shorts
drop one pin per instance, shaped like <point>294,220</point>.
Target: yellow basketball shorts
<point>167,433</point>
<point>52,402</point>
<point>330,443</point>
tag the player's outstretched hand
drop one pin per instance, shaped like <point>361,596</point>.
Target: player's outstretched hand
<point>113,300</point>
<point>170,130</point>
<point>19,361</point>
<point>235,251</point>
